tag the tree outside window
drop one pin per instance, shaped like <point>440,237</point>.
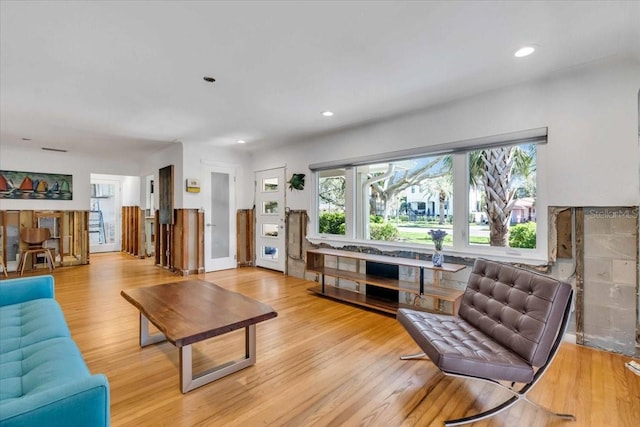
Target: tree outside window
<point>331,201</point>
<point>403,200</point>
<point>503,181</point>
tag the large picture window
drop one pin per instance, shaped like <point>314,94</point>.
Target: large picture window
<point>482,193</point>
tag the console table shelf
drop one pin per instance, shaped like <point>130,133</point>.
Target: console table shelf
<point>316,263</point>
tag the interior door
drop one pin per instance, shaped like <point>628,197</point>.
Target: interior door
<point>270,209</point>
<point>220,219</point>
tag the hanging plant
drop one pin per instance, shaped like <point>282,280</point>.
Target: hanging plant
<point>296,182</point>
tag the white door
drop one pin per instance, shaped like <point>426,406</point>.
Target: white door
<point>270,205</point>
<point>105,216</point>
<point>218,189</point>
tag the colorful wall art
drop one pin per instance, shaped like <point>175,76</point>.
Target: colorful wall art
<point>35,185</point>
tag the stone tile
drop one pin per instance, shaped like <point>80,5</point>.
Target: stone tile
<point>597,269</point>
<point>616,342</point>
<point>624,320</point>
<point>625,225</point>
<point>610,246</point>
<point>609,295</point>
<point>596,221</point>
<point>625,272</point>
<point>596,316</point>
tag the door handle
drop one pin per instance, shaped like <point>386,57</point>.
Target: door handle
<point>211,225</point>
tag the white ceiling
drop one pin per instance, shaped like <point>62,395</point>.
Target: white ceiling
<point>110,77</point>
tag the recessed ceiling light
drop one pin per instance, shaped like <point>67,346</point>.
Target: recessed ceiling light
<point>241,141</point>
<point>327,113</point>
<point>209,79</point>
<point>524,51</point>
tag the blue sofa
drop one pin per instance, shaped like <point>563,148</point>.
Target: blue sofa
<point>44,380</point>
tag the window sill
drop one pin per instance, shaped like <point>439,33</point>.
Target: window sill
<point>529,257</point>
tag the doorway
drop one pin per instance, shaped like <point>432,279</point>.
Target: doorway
<point>218,187</point>
<point>270,209</point>
<point>105,215</point>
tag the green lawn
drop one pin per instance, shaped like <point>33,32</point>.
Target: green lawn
<point>417,237</point>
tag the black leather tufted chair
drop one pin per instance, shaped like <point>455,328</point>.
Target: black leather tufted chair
<point>509,328</point>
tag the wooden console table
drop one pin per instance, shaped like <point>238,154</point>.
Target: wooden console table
<point>316,263</point>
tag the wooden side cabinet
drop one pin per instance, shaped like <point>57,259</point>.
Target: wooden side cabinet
<point>317,263</point>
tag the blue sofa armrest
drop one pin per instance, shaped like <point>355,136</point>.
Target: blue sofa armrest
<point>14,291</point>
<point>83,402</point>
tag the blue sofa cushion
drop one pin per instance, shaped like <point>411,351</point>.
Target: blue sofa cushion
<point>48,383</point>
<point>40,367</point>
<point>30,322</point>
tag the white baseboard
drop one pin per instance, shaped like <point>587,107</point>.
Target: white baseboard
<point>570,338</point>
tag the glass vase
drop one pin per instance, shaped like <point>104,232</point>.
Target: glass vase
<point>438,258</point>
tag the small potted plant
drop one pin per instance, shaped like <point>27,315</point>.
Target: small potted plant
<point>438,237</point>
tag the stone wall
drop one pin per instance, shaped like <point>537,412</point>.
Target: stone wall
<point>610,278</point>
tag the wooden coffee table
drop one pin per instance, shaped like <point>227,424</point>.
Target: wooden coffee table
<point>190,311</point>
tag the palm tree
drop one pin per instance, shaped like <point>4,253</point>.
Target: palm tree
<point>493,169</point>
<point>440,187</point>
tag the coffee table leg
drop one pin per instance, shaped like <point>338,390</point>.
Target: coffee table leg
<point>189,381</point>
<point>145,338</point>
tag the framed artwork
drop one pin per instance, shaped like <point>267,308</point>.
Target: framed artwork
<point>165,195</point>
<point>35,185</point>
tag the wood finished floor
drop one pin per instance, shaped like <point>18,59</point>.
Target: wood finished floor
<point>320,363</point>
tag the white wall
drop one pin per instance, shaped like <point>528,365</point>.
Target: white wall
<point>591,159</point>
<point>195,155</point>
<point>188,158</point>
<point>80,167</point>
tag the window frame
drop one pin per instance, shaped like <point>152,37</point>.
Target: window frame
<point>461,246</point>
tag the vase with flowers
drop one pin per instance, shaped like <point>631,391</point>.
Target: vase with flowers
<point>438,237</point>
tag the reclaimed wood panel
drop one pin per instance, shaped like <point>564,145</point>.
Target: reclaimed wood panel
<point>245,236</point>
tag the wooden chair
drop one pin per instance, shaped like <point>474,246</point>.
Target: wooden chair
<point>509,328</point>
<point>34,238</point>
